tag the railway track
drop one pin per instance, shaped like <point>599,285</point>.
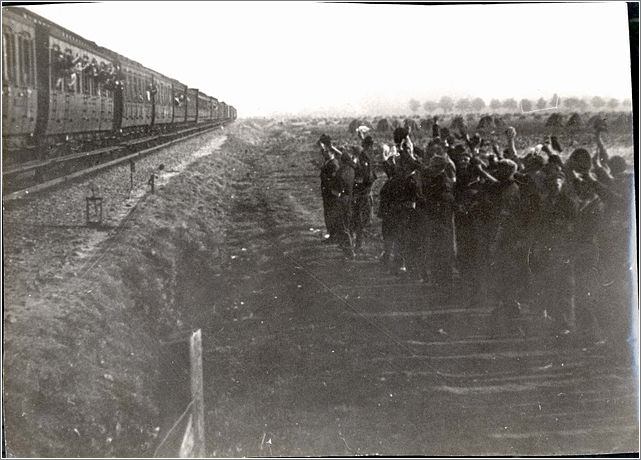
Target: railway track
<point>25,180</point>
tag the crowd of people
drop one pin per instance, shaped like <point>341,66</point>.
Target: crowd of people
<point>517,229</point>
<point>67,69</point>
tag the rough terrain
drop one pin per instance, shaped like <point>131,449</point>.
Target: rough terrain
<point>305,353</point>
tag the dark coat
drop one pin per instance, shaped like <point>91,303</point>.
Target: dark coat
<point>329,186</point>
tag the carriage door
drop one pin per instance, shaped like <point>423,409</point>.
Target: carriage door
<point>152,98</point>
<point>42,81</point>
<point>118,95</point>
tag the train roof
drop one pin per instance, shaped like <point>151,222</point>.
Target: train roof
<point>46,22</point>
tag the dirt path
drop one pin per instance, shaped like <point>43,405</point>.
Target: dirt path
<point>305,353</point>
<point>308,354</point>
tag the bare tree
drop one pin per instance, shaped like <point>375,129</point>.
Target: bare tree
<point>571,103</point>
<point>463,105</point>
<point>510,104</point>
<point>430,106</point>
<point>613,103</point>
<point>597,102</point>
<point>478,104</point>
<point>526,105</point>
<point>446,103</point>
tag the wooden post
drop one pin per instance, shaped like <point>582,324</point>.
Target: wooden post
<point>132,170</point>
<point>198,407</point>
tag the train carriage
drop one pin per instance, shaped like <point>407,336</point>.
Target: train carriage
<point>222,110</point>
<point>19,90</point>
<point>214,108</point>
<point>137,95</point>
<point>179,92</point>
<point>192,104</point>
<point>60,89</point>
<point>204,108</point>
<point>161,97</point>
<point>80,101</point>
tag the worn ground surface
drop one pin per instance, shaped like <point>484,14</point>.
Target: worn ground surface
<point>321,356</point>
<point>305,353</point>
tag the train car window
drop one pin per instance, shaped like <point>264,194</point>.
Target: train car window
<point>53,69</point>
<point>134,89</point>
<point>29,58</point>
<point>9,56</point>
<point>128,89</point>
<point>26,59</point>
<point>86,82</point>
<point>22,64</point>
<point>20,77</point>
<point>94,83</point>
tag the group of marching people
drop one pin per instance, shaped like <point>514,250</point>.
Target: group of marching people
<point>518,230</point>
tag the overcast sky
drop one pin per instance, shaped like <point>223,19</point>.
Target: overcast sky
<point>269,58</point>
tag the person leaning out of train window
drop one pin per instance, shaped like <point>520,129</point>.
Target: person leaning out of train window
<point>58,66</point>
<point>151,91</point>
<point>70,69</point>
<point>118,78</point>
<point>110,77</point>
<point>102,73</point>
<point>80,64</point>
<point>69,60</point>
<point>85,64</point>
<point>93,68</point>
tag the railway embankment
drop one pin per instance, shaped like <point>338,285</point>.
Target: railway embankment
<point>87,309</point>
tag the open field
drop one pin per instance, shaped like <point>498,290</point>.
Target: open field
<point>304,352</point>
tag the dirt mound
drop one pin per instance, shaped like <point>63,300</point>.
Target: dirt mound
<point>458,124</point>
<point>83,351</point>
<point>383,125</point>
<point>574,121</point>
<point>353,125</point>
<point>411,124</point>
<point>486,123</point>
<point>555,121</point>
<point>426,124</point>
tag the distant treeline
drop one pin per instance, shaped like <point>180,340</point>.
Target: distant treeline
<point>448,104</point>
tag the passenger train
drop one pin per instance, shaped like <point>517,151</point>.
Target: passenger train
<point>58,87</point>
